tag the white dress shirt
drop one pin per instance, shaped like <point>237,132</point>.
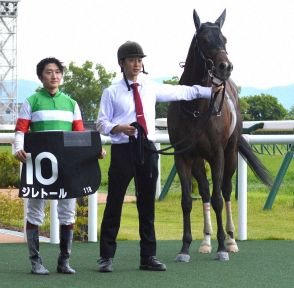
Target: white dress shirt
<point>117,104</point>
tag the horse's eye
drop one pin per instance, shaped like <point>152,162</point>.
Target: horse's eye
<point>223,39</point>
<point>204,42</point>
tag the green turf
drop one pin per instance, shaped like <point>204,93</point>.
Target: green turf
<point>274,224</point>
<point>258,264</point>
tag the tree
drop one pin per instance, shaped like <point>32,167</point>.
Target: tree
<point>85,84</point>
<point>173,81</point>
<point>244,109</point>
<point>161,108</point>
<point>263,107</point>
<point>290,115</point>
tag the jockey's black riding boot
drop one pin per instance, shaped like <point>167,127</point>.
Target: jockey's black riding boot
<point>66,237</point>
<point>33,245</point>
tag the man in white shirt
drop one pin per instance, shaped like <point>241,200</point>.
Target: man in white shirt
<point>117,112</point>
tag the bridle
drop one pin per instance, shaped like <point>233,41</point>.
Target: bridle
<point>209,71</point>
<point>209,61</point>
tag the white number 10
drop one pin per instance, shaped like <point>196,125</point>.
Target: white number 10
<point>38,170</point>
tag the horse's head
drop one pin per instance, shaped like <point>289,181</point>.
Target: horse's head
<point>211,44</point>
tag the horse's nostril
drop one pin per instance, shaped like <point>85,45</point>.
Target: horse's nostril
<point>229,67</point>
<point>226,66</point>
<point>223,66</point>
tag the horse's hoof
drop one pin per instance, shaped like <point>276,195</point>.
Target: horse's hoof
<point>183,258</point>
<point>222,256</point>
<point>231,245</point>
<point>204,248</point>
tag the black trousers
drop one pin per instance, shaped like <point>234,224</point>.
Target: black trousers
<point>121,172</point>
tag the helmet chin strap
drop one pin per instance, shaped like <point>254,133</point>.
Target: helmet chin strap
<point>125,77</point>
<point>144,72</point>
<point>126,80</point>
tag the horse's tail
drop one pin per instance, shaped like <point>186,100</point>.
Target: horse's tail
<point>257,167</point>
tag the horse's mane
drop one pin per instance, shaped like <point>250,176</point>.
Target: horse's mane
<point>194,70</point>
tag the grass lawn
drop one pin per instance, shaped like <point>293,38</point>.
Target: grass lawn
<point>276,223</point>
<point>5,148</point>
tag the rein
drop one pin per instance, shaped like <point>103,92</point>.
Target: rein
<point>141,142</point>
<point>212,111</point>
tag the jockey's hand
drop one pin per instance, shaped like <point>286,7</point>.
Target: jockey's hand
<point>102,154</point>
<point>21,155</point>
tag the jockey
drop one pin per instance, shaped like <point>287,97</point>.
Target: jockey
<point>48,109</point>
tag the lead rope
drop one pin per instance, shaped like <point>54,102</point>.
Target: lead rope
<point>139,145</point>
<point>137,152</point>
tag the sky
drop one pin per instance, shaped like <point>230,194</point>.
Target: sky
<point>260,35</point>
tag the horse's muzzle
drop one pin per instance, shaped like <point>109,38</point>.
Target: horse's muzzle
<point>223,70</point>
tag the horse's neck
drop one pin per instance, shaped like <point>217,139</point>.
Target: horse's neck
<point>194,71</point>
<point>232,91</point>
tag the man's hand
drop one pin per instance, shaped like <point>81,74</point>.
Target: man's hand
<point>124,128</point>
<point>217,89</point>
<point>21,155</point>
<point>102,154</point>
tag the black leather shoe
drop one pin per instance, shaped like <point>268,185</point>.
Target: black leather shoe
<point>105,265</point>
<point>152,264</point>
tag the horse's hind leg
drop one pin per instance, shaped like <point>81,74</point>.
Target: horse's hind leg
<point>230,242</point>
<point>205,246</point>
<point>184,172</point>
<point>230,167</point>
<point>199,173</point>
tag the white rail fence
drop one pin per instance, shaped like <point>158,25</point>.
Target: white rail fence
<point>162,138</point>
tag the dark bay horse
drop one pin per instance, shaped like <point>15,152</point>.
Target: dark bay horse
<point>209,131</point>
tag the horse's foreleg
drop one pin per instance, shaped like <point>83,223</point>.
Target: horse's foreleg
<point>217,204</point>
<point>184,171</point>
<point>217,168</point>
<point>184,256</point>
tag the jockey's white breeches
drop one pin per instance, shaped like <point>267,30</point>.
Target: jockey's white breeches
<point>66,210</point>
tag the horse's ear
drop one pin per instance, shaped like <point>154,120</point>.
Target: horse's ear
<point>221,19</point>
<point>196,20</point>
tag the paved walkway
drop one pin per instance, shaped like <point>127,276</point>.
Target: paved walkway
<point>8,236</point>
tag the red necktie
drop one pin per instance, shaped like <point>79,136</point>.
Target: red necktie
<point>139,108</point>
